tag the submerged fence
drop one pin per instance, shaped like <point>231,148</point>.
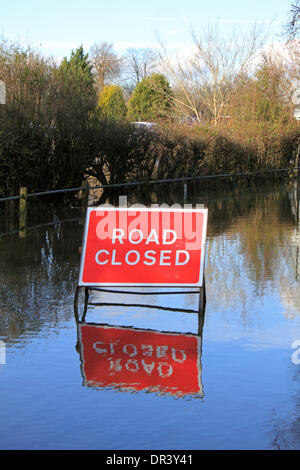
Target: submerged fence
<point>84,190</point>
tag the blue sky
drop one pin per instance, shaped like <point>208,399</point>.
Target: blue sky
<point>57,27</point>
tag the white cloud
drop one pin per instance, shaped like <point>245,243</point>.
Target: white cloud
<point>121,46</point>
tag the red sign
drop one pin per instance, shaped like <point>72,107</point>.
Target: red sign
<point>142,247</point>
<point>140,359</point>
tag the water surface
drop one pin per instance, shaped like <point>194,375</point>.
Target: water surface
<point>237,380</point>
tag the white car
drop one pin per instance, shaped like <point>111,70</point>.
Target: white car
<point>143,124</point>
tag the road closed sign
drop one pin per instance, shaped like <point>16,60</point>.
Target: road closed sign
<point>143,247</point>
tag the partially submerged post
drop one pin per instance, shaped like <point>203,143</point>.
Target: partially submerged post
<point>185,192</point>
<point>22,212</point>
<point>84,198</point>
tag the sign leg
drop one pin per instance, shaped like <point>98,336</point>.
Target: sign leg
<point>201,309</point>
<point>76,304</point>
<point>202,298</point>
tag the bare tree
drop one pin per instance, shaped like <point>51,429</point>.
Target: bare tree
<point>292,28</point>
<point>106,63</point>
<point>209,75</point>
<point>139,64</point>
<point>28,77</point>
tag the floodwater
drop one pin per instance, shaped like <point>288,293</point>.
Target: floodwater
<point>128,374</point>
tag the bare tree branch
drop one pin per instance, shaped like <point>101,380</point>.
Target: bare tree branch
<point>210,74</point>
<point>292,27</point>
<point>106,63</point>
<point>139,64</point>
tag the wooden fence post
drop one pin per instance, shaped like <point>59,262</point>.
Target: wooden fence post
<point>23,212</point>
<point>84,196</point>
<point>185,193</point>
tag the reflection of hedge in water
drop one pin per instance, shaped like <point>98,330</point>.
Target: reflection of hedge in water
<point>233,201</point>
<point>40,210</point>
<point>38,275</point>
<point>265,234</point>
<point>252,247</point>
<point>227,198</point>
<point>261,221</point>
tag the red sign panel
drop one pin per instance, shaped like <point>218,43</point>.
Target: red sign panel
<point>140,359</point>
<point>142,247</point>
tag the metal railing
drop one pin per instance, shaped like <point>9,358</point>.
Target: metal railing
<point>84,190</point>
<point>149,182</point>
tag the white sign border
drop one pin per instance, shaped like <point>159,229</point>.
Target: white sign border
<point>199,283</point>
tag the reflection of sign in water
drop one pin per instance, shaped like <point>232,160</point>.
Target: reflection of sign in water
<point>158,247</point>
<point>140,359</point>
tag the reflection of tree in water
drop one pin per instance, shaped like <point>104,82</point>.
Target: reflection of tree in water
<point>227,200</point>
<point>37,278</point>
<point>265,234</point>
<point>258,246</point>
<point>270,240</point>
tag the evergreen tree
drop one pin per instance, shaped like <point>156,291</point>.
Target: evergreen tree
<point>152,99</point>
<point>74,127</point>
<point>79,65</point>
<point>111,102</point>
<point>77,82</point>
<point>269,104</point>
